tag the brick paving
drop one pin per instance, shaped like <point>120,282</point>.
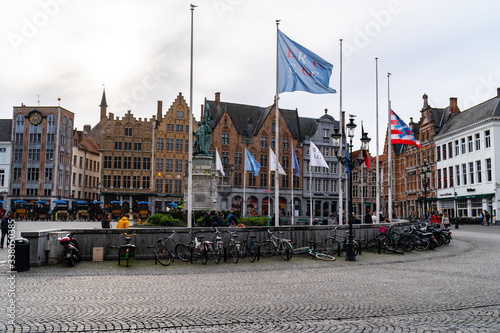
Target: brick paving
<point>451,289</point>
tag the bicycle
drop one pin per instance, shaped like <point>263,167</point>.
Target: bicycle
<point>127,250</point>
<point>335,246</point>
<point>383,241</point>
<point>312,251</point>
<point>275,245</point>
<point>233,247</point>
<point>197,248</point>
<point>164,250</point>
<point>249,247</point>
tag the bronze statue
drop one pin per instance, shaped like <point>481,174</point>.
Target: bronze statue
<point>204,134</point>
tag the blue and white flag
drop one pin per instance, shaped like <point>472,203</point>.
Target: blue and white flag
<point>316,158</point>
<point>251,163</point>
<point>301,69</point>
<point>295,163</point>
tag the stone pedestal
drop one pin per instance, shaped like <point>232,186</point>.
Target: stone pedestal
<point>204,184</point>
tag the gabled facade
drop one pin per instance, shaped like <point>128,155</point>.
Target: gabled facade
<point>5,160</point>
<point>86,165</point>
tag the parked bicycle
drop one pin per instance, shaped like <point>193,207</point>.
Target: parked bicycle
<point>164,250</point>
<point>312,251</point>
<point>197,248</point>
<point>249,247</point>
<point>233,246</point>
<point>386,240</point>
<point>275,245</point>
<point>336,245</point>
<point>127,250</point>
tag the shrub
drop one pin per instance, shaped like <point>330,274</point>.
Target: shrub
<point>165,220</point>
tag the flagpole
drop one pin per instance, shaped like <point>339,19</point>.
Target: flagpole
<point>389,150</point>
<point>276,173</point>
<point>362,183</point>
<point>244,209</point>
<point>190,151</point>
<point>310,189</point>
<point>269,186</point>
<point>376,142</point>
<point>291,176</point>
<point>340,215</point>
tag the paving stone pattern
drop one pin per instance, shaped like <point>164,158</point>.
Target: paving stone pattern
<point>452,289</point>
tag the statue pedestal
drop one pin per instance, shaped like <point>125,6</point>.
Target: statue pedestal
<point>204,184</point>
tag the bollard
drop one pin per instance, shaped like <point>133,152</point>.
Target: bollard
<point>379,246</point>
<point>456,223</point>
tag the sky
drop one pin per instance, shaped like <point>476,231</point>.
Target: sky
<point>140,52</point>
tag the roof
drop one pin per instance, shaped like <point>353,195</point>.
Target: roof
<point>5,130</point>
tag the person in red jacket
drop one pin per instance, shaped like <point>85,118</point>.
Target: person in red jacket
<point>436,219</point>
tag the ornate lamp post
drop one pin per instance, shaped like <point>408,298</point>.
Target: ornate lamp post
<point>350,164</point>
<point>425,182</point>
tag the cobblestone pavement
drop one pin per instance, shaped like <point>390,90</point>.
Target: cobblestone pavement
<point>451,289</point>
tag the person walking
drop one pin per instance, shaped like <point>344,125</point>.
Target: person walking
<point>446,220</point>
<point>375,217</point>
<point>488,218</point>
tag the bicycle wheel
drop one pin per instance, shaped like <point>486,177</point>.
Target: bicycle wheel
<point>233,253</point>
<point>217,254</point>
<point>421,243</point>
<point>267,249</point>
<point>407,243</point>
<point>204,256</point>
<point>324,256</point>
<point>372,245</point>
<point>253,250</point>
<point>163,255</point>
<point>333,246</point>
<point>385,241</point>
<point>243,249</point>
<point>183,252</point>
<point>286,251</point>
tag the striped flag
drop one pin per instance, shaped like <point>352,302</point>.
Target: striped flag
<point>401,133</point>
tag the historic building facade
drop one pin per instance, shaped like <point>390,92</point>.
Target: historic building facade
<point>5,160</point>
<point>41,158</point>
<point>86,165</point>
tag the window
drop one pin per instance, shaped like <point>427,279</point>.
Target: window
<point>117,181</point>
<point>273,142</point>
<point>170,144</point>
<point>444,152</point>
<point>478,141</point>
<point>159,143</point>
<point>445,178</point>
<point>128,131</point>
<point>178,165</point>
<point>19,137</point>
<point>224,157</point>
<point>263,160</point>
<point>136,181</point>
<point>16,174</point>
<point>438,153</point>
<point>170,127</point>
<point>286,144</point>
<point>159,164</point>
<point>118,162</point>
<point>126,181</point>
<point>169,164</point>
<point>457,174</point>
<point>488,170</point>
<point>118,146</point>
<point>168,185</point>
<point>146,163</point>
<point>178,144</point>
<point>479,177</point>
<point>186,145</point>
<point>438,178</point>
<point>237,159</point>
<point>251,179</point>
<point>107,162</point>
<point>263,142</point>
<point>48,174</point>
<point>450,169</point>
<point>471,172</point>
<point>137,163</point>
<point>450,150</point>
<point>145,182</point>
<point>127,146</point>
<point>326,133</point>
<point>284,162</point>
<point>106,179</point>
<point>137,146</point>
<point>464,173</point>
<point>284,181</point>
<point>179,128</point>
<point>127,163</point>
<point>178,186</point>
<point>225,138</point>
<point>462,142</point>
<point>18,154</point>
<point>34,154</point>
<point>180,114</point>
<point>33,174</point>
<point>487,139</point>
<point>457,149</point>
<point>159,185</point>
<point>469,144</point>
<point>263,180</point>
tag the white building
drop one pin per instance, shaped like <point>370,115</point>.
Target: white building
<point>5,159</point>
<point>467,175</point>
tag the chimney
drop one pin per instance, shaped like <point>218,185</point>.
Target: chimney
<point>498,92</point>
<point>159,111</point>
<point>86,129</point>
<point>217,99</point>
<point>453,106</point>
<point>426,103</point>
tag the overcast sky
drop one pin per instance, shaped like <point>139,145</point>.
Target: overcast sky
<point>140,50</point>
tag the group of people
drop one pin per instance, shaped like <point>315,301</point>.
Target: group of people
<point>217,219</point>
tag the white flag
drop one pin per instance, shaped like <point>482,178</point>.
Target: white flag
<point>316,156</point>
<point>272,163</point>
<point>218,163</point>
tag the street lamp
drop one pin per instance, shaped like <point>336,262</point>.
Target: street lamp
<point>425,182</point>
<point>456,216</point>
<point>350,164</point>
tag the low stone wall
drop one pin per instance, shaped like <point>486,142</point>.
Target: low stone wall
<point>45,248</point>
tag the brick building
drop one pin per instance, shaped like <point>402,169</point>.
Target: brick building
<point>86,165</point>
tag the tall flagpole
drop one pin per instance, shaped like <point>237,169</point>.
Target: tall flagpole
<point>276,173</point>
<point>340,215</point>
<point>291,176</point>
<point>389,150</point>
<point>310,188</point>
<point>377,170</point>
<point>190,151</point>
<point>244,209</point>
<point>362,184</point>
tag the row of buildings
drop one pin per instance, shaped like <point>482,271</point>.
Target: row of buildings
<point>129,159</point>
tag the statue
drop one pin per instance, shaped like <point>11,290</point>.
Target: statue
<point>204,134</point>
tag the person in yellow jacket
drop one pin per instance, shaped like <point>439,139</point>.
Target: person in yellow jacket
<point>123,223</point>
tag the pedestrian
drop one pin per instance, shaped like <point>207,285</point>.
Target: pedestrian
<point>368,217</point>
<point>6,224</point>
<point>488,218</point>
<point>106,221</point>
<point>446,220</point>
<point>206,219</point>
<point>231,219</point>
<point>375,217</point>
<point>435,220</point>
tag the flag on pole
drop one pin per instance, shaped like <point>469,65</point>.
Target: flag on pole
<point>272,163</point>
<point>366,156</point>
<point>295,163</point>
<point>251,163</point>
<point>347,158</point>
<point>301,69</point>
<point>316,156</point>
<point>218,163</point>
<point>401,133</point>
